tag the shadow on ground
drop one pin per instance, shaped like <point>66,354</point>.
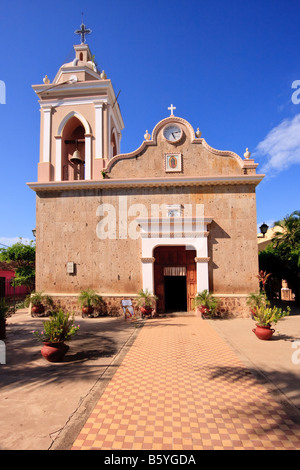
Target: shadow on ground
<point>276,384</point>
<point>91,351</point>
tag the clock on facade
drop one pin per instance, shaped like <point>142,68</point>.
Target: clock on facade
<point>172,133</point>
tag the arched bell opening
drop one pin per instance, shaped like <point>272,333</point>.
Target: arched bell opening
<point>73,150</point>
<point>114,143</point>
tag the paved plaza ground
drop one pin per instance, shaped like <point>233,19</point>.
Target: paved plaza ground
<point>176,382</point>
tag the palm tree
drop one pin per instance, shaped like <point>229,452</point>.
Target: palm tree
<point>287,245</point>
<point>290,234</point>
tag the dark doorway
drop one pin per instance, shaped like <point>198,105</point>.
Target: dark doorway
<point>2,287</point>
<point>175,294</point>
<point>175,261</point>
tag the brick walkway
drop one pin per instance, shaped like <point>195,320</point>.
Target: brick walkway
<point>181,387</point>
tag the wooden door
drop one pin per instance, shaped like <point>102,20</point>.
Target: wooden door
<point>174,256</point>
<point>191,279</point>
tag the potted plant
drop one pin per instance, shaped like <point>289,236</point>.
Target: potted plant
<point>3,315</point>
<point>56,331</point>
<point>265,316</point>
<point>256,300</point>
<point>88,300</point>
<point>38,301</point>
<point>206,303</point>
<point>145,302</point>
<point>263,278</point>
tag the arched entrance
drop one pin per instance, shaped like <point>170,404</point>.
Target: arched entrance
<point>175,278</point>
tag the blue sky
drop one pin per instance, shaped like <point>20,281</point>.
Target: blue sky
<point>227,66</point>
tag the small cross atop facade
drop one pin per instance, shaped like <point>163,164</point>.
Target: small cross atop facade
<point>171,108</point>
<point>83,32</point>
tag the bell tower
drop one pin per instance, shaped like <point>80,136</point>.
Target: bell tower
<point>81,122</point>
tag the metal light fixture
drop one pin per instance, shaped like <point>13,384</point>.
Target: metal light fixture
<point>263,229</point>
<point>34,232</point>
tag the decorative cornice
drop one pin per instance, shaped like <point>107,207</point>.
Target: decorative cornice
<point>147,182</point>
<point>125,156</point>
<point>222,153</point>
<point>61,102</point>
<point>249,164</point>
<point>192,137</point>
<point>166,235</point>
<point>55,89</point>
<point>93,90</point>
<point>166,220</point>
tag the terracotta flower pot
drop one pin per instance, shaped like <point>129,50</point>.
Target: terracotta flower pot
<point>54,352</point>
<point>146,311</point>
<point>37,309</point>
<point>263,332</point>
<point>205,311</point>
<point>86,311</point>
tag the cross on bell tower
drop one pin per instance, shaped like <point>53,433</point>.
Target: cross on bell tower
<point>82,31</point>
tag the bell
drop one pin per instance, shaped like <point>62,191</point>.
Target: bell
<point>76,158</point>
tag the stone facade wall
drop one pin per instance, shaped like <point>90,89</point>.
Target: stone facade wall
<point>232,307</point>
<point>229,307</point>
<point>109,306</point>
<point>68,221</point>
<point>66,232</point>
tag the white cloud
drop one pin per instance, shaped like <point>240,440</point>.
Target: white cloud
<point>281,147</point>
<point>10,241</point>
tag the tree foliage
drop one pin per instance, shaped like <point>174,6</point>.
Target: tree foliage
<point>282,256</point>
<point>289,238</point>
<point>20,257</point>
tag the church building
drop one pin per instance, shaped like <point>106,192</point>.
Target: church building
<point>174,216</point>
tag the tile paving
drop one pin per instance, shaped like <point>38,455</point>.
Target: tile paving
<point>181,387</point>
